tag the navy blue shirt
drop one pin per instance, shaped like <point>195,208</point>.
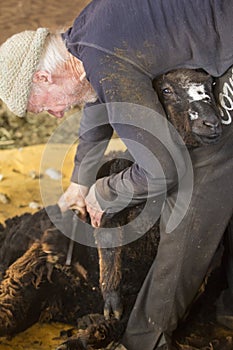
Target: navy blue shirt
<point>123,45</point>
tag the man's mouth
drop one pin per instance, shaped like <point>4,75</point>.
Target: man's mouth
<point>209,138</point>
<point>57,114</point>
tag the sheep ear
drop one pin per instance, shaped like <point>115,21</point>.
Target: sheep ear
<point>200,70</point>
<point>42,76</point>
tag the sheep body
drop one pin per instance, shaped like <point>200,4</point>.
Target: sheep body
<point>184,93</point>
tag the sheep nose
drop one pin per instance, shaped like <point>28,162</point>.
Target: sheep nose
<point>211,124</point>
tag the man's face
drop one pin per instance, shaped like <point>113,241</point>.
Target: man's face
<point>57,93</point>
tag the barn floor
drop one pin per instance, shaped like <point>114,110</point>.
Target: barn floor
<point>38,337</point>
<point>198,331</point>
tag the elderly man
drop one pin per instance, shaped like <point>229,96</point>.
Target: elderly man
<point>107,60</point>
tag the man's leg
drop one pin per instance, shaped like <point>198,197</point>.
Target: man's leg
<point>229,257</point>
<point>224,312</point>
<point>185,254</point>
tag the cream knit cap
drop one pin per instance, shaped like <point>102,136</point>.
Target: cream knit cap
<point>19,58</point>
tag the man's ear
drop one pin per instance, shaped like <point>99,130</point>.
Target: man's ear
<point>42,76</point>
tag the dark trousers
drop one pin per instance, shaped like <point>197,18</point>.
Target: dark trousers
<point>228,256</point>
<point>185,254</point>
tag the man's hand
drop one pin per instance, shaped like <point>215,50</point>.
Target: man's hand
<point>74,198</point>
<point>93,207</point>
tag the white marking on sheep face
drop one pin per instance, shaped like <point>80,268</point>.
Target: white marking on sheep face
<point>197,92</point>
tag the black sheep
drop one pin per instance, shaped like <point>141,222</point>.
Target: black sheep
<point>187,97</point>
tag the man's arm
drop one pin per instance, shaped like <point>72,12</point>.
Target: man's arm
<point>94,135</point>
<point>136,114</point>
<point>129,104</point>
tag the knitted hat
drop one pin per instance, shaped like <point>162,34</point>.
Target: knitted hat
<point>19,58</point>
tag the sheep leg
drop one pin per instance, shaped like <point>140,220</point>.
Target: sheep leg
<point>110,258</point>
<point>109,244</point>
<point>110,272</point>
<point>110,278</point>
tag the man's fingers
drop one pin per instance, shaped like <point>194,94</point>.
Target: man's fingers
<point>74,198</point>
<point>95,216</point>
<point>93,207</point>
<point>81,210</point>
<point>94,224</point>
<point>95,221</point>
<point>63,205</point>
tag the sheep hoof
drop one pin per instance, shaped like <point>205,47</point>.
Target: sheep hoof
<point>62,347</point>
<point>72,344</point>
<point>113,306</point>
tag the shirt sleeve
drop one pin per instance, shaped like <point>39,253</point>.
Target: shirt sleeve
<point>94,135</point>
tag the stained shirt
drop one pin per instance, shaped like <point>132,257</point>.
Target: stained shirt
<point>123,45</point>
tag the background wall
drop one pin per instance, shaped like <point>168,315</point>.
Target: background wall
<point>16,15</point>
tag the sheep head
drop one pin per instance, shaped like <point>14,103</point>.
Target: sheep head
<point>188,99</point>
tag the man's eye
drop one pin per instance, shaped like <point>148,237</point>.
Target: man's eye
<point>167,91</point>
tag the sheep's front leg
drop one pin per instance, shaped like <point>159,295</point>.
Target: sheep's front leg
<point>110,269</point>
<point>110,278</point>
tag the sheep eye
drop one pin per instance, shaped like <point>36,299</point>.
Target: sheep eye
<point>167,91</point>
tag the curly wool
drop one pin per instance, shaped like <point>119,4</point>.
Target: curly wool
<point>19,58</point>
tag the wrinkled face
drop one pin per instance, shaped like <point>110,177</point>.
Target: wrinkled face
<point>188,99</point>
<point>57,93</point>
